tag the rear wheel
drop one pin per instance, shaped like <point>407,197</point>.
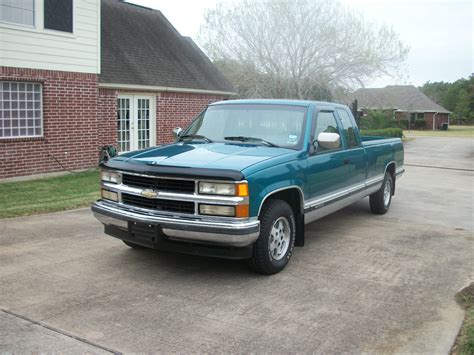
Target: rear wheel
<point>133,245</point>
<point>274,247</point>
<point>380,200</point>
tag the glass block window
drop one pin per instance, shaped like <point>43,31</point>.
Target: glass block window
<point>17,11</point>
<point>20,109</point>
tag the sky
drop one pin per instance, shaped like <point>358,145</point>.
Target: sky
<point>440,33</point>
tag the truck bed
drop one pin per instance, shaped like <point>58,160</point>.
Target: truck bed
<point>380,151</point>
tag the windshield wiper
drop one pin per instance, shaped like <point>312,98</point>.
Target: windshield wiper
<point>195,136</point>
<point>247,139</point>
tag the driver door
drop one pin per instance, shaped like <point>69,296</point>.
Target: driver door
<point>326,174</point>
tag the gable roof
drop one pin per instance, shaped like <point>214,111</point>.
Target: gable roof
<point>398,97</point>
<point>139,46</point>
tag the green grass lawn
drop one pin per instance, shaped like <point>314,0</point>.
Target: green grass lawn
<point>465,341</point>
<point>453,131</point>
<point>59,193</point>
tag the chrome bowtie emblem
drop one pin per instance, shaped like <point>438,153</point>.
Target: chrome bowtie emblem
<point>149,193</point>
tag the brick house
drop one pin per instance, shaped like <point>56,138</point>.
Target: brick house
<point>78,74</point>
<point>404,103</point>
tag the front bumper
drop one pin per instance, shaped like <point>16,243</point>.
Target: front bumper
<point>206,231</point>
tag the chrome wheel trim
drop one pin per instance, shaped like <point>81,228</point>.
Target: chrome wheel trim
<point>387,192</point>
<point>279,240</point>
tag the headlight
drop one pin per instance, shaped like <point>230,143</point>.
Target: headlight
<point>212,188</point>
<point>226,189</point>
<point>109,195</point>
<point>215,210</point>
<point>110,176</point>
<point>239,211</point>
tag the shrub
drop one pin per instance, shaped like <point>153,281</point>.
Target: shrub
<point>420,123</point>
<point>404,124</point>
<point>386,132</point>
<point>377,120</point>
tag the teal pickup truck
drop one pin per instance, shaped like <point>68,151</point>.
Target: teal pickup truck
<point>243,179</point>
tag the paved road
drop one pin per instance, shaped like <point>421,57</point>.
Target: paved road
<point>362,283</point>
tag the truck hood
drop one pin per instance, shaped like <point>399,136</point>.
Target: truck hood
<point>205,155</point>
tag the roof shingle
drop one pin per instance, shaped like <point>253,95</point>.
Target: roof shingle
<point>399,97</point>
<point>140,47</point>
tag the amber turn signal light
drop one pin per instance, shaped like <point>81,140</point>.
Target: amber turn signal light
<point>241,211</point>
<point>242,189</point>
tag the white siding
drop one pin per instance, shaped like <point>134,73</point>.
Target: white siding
<point>39,48</point>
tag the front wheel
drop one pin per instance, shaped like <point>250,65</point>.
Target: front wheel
<point>380,200</point>
<point>273,249</point>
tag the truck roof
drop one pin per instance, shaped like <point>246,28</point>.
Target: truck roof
<point>303,103</point>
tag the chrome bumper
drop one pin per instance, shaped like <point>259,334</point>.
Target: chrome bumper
<point>236,234</point>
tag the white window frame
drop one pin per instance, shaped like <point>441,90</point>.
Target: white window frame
<point>134,119</point>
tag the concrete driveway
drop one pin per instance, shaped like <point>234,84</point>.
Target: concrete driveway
<point>363,283</point>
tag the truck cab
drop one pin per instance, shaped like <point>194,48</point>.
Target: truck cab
<point>243,179</point>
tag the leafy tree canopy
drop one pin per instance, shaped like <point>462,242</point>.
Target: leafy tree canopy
<point>457,97</point>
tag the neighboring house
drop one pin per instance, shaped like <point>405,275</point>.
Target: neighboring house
<point>78,74</point>
<point>405,102</point>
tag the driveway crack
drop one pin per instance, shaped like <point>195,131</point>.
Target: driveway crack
<point>60,331</point>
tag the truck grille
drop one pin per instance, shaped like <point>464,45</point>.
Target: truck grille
<point>160,184</point>
<point>158,204</point>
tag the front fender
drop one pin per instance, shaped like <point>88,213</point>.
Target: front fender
<point>275,178</point>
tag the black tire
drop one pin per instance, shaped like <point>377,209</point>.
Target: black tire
<point>379,204</point>
<point>264,260</point>
<point>133,245</point>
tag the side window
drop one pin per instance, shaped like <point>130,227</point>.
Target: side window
<point>18,12</point>
<point>348,128</point>
<point>325,122</point>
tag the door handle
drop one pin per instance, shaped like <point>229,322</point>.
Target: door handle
<point>346,161</point>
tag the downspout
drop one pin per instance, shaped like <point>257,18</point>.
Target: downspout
<point>434,119</point>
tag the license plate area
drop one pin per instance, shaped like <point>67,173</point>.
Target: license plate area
<point>143,232</point>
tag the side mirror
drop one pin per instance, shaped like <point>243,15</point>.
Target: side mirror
<point>177,132</point>
<point>329,140</point>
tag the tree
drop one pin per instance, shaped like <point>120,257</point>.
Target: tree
<point>462,108</point>
<point>457,97</point>
<point>299,48</point>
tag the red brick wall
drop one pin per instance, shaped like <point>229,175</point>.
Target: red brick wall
<point>69,125</point>
<point>428,117</point>
<point>107,117</point>
<point>172,110</point>
<point>78,117</point>
<point>177,110</point>
<point>439,120</point>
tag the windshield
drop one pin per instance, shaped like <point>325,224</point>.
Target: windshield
<point>270,125</point>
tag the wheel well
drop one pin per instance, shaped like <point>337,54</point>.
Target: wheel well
<point>295,199</point>
<point>391,168</point>
<point>291,196</point>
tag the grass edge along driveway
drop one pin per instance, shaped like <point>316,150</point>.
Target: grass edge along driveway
<point>465,341</point>
<point>59,193</point>
<point>453,131</point>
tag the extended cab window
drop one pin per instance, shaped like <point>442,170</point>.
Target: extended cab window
<point>348,128</point>
<point>325,122</point>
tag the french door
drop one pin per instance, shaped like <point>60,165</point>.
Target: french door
<point>136,122</point>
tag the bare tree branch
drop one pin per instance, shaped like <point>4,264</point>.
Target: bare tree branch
<point>298,48</point>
